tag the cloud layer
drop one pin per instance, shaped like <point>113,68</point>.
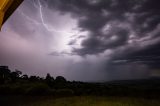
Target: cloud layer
<point>85,39</point>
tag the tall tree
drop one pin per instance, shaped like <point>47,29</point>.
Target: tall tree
<point>49,79</point>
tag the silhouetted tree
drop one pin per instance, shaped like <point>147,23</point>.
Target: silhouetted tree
<point>49,79</point>
<point>4,73</point>
<point>34,78</point>
<point>60,79</point>
<point>18,73</point>
<point>25,77</point>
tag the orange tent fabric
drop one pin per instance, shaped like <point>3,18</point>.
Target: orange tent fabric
<point>7,7</point>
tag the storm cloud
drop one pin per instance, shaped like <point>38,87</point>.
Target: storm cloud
<point>85,39</point>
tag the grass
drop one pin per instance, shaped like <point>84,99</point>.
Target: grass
<point>89,101</point>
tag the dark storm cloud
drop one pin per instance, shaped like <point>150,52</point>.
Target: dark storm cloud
<point>149,56</point>
<point>141,17</point>
<point>63,53</point>
<point>150,11</point>
<point>131,25</point>
<point>98,44</point>
<point>72,42</point>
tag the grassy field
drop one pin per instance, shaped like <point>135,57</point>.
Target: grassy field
<point>84,101</point>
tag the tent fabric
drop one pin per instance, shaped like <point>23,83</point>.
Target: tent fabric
<point>7,7</point>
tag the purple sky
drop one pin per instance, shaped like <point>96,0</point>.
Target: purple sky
<point>87,40</point>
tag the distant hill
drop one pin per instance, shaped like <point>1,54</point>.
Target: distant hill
<point>149,81</point>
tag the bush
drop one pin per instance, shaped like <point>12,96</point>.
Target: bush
<point>12,89</point>
<point>18,90</point>
<point>64,92</point>
<point>38,89</point>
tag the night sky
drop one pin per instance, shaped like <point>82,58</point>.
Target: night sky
<point>86,40</point>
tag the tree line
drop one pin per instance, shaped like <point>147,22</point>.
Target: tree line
<point>17,83</point>
<point>8,76</point>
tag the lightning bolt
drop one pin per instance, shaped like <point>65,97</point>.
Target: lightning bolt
<point>49,27</point>
<point>46,26</point>
<point>29,18</point>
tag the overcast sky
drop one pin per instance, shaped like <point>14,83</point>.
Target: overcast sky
<point>86,40</point>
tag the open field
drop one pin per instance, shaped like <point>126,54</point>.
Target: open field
<point>80,101</point>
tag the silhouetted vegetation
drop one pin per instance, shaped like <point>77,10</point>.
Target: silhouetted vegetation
<point>17,83</point>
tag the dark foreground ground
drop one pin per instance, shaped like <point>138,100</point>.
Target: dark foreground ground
<point>77,101</point>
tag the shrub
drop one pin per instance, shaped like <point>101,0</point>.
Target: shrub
<point>64,92</point>
<point>18,90</point>
<point>38,89</point>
